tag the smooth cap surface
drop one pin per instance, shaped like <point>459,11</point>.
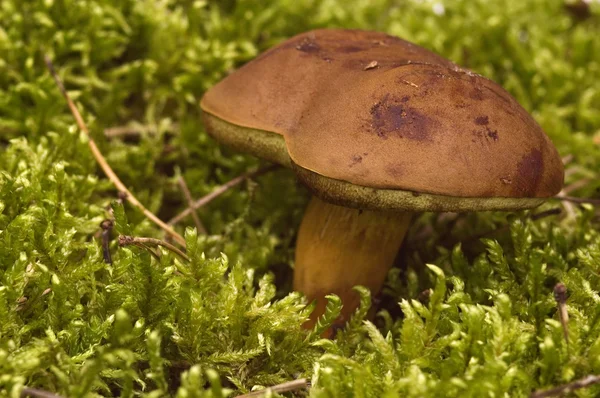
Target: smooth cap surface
<point>378,112</point>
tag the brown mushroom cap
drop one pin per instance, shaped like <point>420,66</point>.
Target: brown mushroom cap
<point>369,120</point>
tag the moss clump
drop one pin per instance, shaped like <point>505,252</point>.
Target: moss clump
<point>482,321</point>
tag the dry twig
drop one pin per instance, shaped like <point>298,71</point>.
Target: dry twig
<point>578,200</point>
<point>577,185</point>
<point>190,201</point>
<point>102,161</point>
<point>279,388</point>
<point>566,388</point>
<point>125,240</point>
<point>35,393</point>
<point>134,130</point>
<point>220,190</point>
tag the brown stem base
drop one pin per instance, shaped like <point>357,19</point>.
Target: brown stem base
<point>339,248</point>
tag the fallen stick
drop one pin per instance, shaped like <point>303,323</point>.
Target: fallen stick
<point>566,388</point>
<point>279,388</point>
<point>102,161</point>
<point>220,190</point>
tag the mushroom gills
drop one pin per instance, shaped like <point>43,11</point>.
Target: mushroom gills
<point>339,248</point>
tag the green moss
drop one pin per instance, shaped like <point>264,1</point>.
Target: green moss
<point>481,322</point>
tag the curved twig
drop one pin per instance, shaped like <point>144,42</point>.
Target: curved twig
<point>575,199</point>
<point>125,240</point>
<point>220,190</point>
<point>102,161</point>
<point>190,201</point>
<point>36,393</point>
<point>566,388</point>
<point>279,388</point>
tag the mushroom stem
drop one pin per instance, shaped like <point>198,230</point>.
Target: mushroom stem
<point>339,248</point>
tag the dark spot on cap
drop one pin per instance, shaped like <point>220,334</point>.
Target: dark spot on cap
<point>482,120</point>
<point>487,134</point>
<point>391,117</point>
<point>394,170</point>
<point>308,46</point>
<point>493,134</point>
<point>355,159</point>
<point>530,170</point>
<point>405,98</point>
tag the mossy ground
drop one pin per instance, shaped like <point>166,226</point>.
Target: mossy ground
<point>74,325</point>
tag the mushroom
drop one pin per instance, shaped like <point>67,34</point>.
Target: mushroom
<point>378,129</point>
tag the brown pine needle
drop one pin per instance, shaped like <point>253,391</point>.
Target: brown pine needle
<point>125,240</point>
<point>279,388</point>
<point>146,248</point>
<point>575,199</point>
<point>122,131</point>
<point>220,190</point>
<point>34,392</point>
<point>566,388</point>
<point>102,161</point>
<point>190,201</point>
<point>135,130</point>
<point>577,185</point>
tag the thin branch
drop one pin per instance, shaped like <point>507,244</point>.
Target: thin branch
<point>134,131</point>
<point>576,185</point>
<point>279,388</point>
<point>125,240</point>
<point>566,388</point>
<point>546,213</point>
<point>102,161</point>
<point>575,199</point>
<point>146,248</point>
<point>220,190</point>
<point>567,159</point>
<point>190,201</point>
<point>122,131</point>
<point>575,169</point>
<point>34,392</point>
